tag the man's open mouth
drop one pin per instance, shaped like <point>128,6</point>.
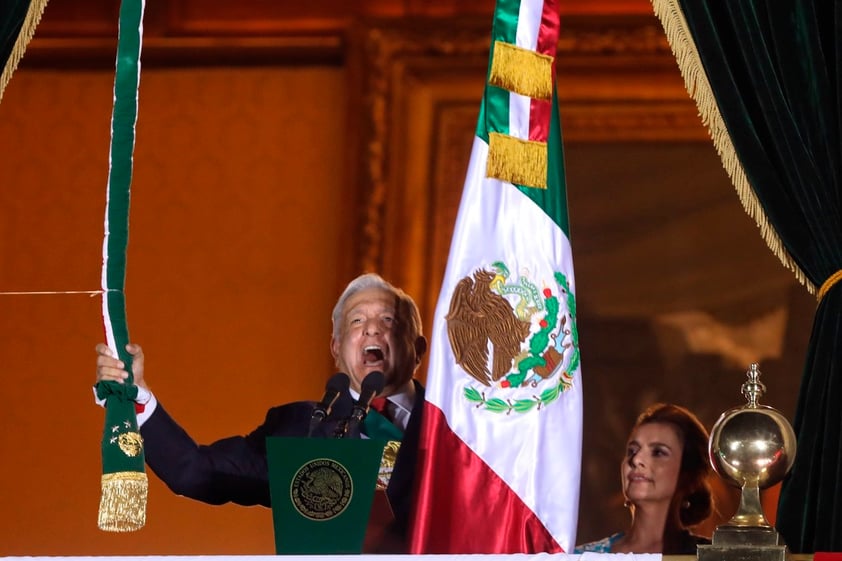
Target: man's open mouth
<point>372,354</point>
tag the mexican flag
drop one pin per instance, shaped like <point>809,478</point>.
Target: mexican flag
<point>500,452</point>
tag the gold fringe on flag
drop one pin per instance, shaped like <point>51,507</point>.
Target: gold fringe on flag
<point>522,162</point>
<point>27,30</point>
<point>122,507</point>
<point>521,71</point>
<point>695,80</point>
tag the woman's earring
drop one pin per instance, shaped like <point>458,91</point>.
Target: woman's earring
<point>627,503</point>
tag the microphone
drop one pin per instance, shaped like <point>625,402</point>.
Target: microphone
<point>372,385</point>
<point>336,386</point>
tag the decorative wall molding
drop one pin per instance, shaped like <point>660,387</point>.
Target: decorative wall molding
<point>618,81</point>
<point>415,81</point>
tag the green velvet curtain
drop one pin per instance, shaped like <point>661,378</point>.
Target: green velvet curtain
<point>13,14</point>
<point>18,19</point>
<point>772,67</point>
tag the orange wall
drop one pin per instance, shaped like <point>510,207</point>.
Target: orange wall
<point>232,273</point>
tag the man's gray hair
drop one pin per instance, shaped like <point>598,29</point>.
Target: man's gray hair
<point>373,280</point>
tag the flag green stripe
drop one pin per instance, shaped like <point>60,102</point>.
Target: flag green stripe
<point>494,112</point>
<point>553,199</point>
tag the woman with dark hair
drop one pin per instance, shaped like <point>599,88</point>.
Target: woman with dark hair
<point>665,482</point>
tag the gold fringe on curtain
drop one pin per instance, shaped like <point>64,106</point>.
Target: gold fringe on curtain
<point>696,82</point>
<point>522,162</point>
<point>521,71</point>
<point>33,16</point>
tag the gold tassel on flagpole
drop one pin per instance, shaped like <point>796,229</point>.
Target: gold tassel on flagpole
<point>697,85</point>
<point>122,507</point>
<point>521,162</point>
<point>521,71</point>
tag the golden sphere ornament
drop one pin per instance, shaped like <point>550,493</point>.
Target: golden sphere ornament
<point>751,447</point>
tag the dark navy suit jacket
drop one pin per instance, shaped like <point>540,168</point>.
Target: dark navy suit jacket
<point>235,469</point>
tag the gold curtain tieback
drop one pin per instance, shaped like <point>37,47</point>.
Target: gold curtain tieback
<point>828,284</point>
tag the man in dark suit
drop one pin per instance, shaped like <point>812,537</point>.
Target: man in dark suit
<point>376,327</point>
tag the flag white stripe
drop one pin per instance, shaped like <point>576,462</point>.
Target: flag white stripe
<point>526,37</point>
<point>519,111</point>
<point>529,24</point>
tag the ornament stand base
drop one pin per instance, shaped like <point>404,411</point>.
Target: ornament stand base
<point>744,543</point>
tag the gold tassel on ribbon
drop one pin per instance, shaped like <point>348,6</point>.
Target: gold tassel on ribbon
<point>522,162</point>
<point>697,85</point>
<point>122,507</point>
<point>521,71</point>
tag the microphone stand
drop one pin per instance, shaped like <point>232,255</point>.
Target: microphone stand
<point>336,386</point>
<point>319,415</point>
<point>341,429</point>
<point>358,413</point>
<point>371,386</point>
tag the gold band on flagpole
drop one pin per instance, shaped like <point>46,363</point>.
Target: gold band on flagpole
<point>27,30</point>
<point>828,284</point>
<point>521,162</point>
<point>122,507</point>
<point>521,71</point>
<point>696,82</point>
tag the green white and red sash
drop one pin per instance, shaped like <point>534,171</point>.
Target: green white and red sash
<point>500,451</point>
<point>124,482</point>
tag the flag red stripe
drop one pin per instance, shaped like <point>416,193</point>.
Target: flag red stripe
<point>548,32</point>
<point>539,110</point>
<point>454,486</point>
<point>539,124</point>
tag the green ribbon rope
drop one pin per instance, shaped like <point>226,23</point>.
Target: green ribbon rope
<point>122,450</point>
